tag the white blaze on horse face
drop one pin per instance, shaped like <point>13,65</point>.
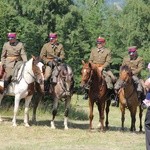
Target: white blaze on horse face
<point>40,65</point>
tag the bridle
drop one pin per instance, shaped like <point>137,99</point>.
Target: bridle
<point>89,81</point>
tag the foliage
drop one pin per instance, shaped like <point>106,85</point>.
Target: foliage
<point>78,24</point>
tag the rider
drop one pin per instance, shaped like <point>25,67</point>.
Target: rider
<point>51,53</point>
<point>13,54</point>
<point>136,64</point>
<point>102,56</point>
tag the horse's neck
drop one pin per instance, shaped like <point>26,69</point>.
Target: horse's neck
<point>129,87</point>
<point>27,72</point>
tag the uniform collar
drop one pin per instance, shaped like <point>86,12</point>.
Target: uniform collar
<point>100,49</point>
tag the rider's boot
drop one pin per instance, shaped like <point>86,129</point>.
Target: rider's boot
<point>86,91</point>
<point>6,83</point>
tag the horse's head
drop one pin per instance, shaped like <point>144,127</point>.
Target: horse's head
<point>125,73</point>
<point>66,78</point>
<point>86,73</point>
<point>38,70</point>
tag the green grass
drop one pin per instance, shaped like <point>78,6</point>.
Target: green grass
<point>78,137</point>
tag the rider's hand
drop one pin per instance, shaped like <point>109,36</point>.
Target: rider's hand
<point>50,63</point>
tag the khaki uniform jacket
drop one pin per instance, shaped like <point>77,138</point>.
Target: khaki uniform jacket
<point>136,65</point>
<point>13,53</point>
<point>48,52</point>
<point>102,57</point>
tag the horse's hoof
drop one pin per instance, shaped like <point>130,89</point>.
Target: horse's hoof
<point>14,125</point>
<point>53,127</point>
<point>66,128</point>
<point>27,125</point>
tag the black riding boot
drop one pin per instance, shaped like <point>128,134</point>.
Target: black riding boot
<point>46,86</point>
<point>86,91</point>
<point>6,83</point>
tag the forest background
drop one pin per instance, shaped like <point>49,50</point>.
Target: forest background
<point>78,24</point>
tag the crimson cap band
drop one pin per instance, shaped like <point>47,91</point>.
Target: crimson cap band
<point>11,35</point>
<point>53,35</point>
<point>132,49</point>
<point>100,40</point>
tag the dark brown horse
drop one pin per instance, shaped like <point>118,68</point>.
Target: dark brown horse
<point>63,90</point>
<point>128,97</point>
<point>92,77</point>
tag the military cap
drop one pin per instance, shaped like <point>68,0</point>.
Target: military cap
<point>53,35</point>
<point>100,40</point>
<point>11,35</point>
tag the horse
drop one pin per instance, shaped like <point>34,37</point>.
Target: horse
<point>62,90</point>
<point>92,78</point>
<point>128,97</point>
<point>29,73</point>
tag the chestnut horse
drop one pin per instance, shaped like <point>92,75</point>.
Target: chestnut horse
<point>92,77</point>
<point>128,97</point>
<point>62,90</point>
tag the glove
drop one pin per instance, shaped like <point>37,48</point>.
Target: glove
<point>50,63</point>
<point>57,59</point>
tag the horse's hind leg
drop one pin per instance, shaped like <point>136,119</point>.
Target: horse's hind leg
<point>36,99</point>
<point>107,112</point>
<point>54,112</point>
<point>16,106</point>
<point>67,107</point>
<point>91,105</point>
<point>26,111</point>
<point>140,117</point>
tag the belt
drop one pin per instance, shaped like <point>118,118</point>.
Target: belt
<point>98,65</point>
<point>12,57</point>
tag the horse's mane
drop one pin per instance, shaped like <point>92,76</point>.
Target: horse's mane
<point>126,68</point>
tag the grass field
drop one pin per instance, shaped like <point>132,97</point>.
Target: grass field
<point>78,137</point>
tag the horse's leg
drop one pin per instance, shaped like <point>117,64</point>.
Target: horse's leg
<point>36,99</point>
<point>54,112</point>
<point>67,107</point>
<point>133,118</point>
<point>122,108</point>
<point>101,107</point>
<point>26,111</point>
<point>107,112</point>
<point>91,105</point>
<point>16,106</point>
<point>140,116</point>
<point>1,97</point>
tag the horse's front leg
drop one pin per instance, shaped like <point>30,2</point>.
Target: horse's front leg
<point>54,112</point>
<point>26,111</point>
<point>91,116</point>
<point>140,117</point>
<point>1,97</point>
<point>101,107</point>
<point>122,108</point>
<point>67,107</point>
<point>133,119</point>
<point>16,106</point>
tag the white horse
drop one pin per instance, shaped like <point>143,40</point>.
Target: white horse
<point>29,73</point>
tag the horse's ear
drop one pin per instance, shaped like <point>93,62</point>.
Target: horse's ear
<point>33,57</point>
<point>90,64</point>
<point>83,62</point>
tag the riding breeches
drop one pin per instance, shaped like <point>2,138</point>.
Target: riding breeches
<point>48,72</point>
<point>108,80</point>
<point>138,83</point>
